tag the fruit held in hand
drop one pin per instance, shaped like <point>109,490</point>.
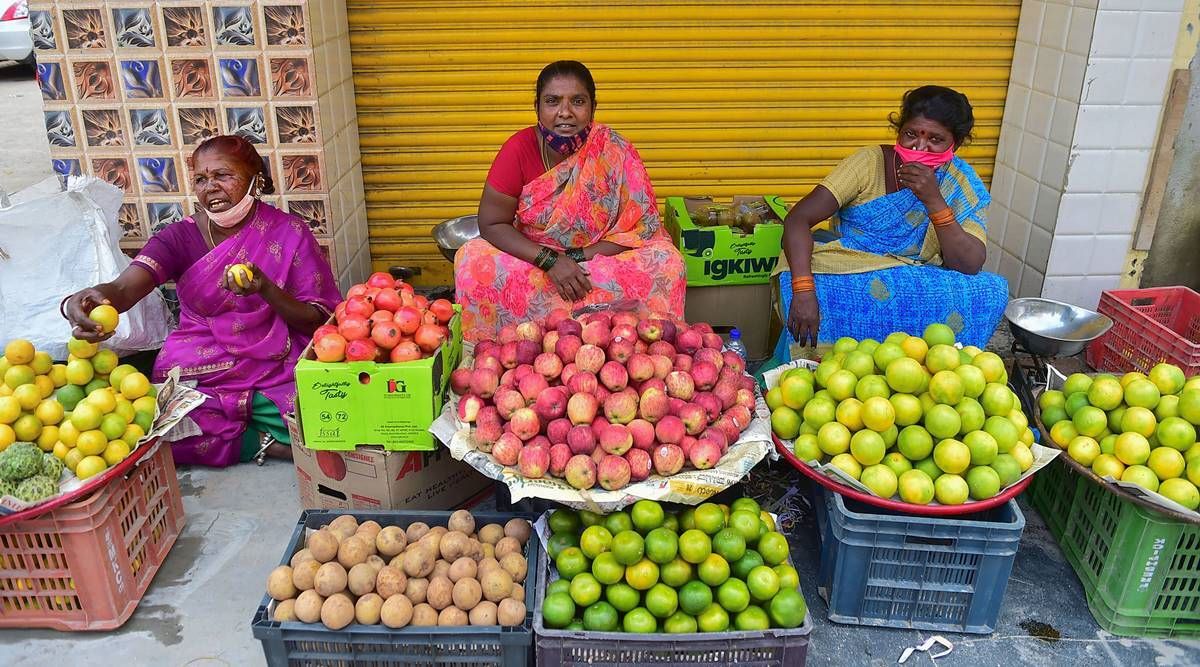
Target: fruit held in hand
<point>106,316</point>
<point>240,274</point>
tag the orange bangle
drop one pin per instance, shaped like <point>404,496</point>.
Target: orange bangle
<point>942,218</point>
<point>803,284</point>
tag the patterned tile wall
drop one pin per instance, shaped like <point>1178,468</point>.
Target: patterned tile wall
<point>130,87</point>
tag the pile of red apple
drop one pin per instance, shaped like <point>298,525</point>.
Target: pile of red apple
<point>608,398</point>
<point>383,320</point>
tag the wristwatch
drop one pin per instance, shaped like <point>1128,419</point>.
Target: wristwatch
<point>576,255</point>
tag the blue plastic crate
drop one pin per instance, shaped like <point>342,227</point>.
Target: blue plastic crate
<point>296,643</point>
<point>896,570</point>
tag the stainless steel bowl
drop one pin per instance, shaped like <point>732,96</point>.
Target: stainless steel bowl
<point>451,234</point>
<point>1052,328</point>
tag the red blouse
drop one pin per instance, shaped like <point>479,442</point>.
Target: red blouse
<point>518,162</point>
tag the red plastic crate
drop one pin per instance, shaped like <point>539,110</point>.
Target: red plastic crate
<point>86,565</point>
<point>1150,326</point>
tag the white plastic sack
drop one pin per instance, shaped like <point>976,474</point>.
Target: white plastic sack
<point>56,243</point>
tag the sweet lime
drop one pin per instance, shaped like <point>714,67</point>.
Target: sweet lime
<point>1084,450</point>
<point>983,447</point>
<point>628,547</point>
<point>675,573</point>
<point>621,596</point>
<point>983,482</point>
<point>847,464</point>
<point>1132,448</point>
<point>1105,393</point>
<point>1166,463</point>
<point>714,570</point>
<point>867,447</point>
<point>602,617</point>
<point>905,375</point>
<point>914,443</point>
<point>773,547</point>
<point>742,567</point>
<point>558,610</point>
<point>607,570</point>
<point>952,456</point>
<point>763,583</point>
<point>1142,476</point>
<point>849,414</point>
<point>680,624</point>
<point>662,600</point>
<point>694,546</point>
<point>788,609</point>
<point>661,545</point>
<point>1181,491</point>
<point>695,596</point>
<point>585,589</point>
<point>1169,379</point>
<point>642,575</point>
<point>595,540</point>
<point>916,487</point>
<point>951,489</point>
<point>880,479</point>
<point>729,544</point>
<point>617,522</point>
<point>897,462</point>
<point>714,619</point>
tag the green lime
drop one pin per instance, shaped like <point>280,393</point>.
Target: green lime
<point>751,619</point>
<point>628,547</point>
<point>558,609</point>
<point>585,590</point>
<point>741,568</point>
<point>590,518</point>
<point>774,548</point>
<point>745,523</point>
<point>563,521</point>
<point>714,619</point>
<point>622,596</point>
<point>570,562</point>
<point>607,570</point>
<point>639,621</point>
<point>647,515</point>
<point>662,545</point>
<point>748,504</point>
<point>662,600</point>
<point>733,595</point>
<point>679,624</point>
<point>600,617</point>
<point>729,544</point>
<point>560,541</point>
<point>558,586</point>
<point>695,596</point>
<point>595,540</point>
<point>676,573</point>
<point>788,609</point>
<point>617,522</point>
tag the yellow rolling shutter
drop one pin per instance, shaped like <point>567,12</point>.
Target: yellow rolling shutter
<point>721,98</point>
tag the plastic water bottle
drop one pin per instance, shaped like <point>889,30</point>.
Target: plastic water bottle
<point>735,343</point>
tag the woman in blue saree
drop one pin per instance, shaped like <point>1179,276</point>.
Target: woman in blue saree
<point>909,233</point>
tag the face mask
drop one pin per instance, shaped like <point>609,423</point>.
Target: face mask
<point>931,160</point>
<point>564,145</point>
<point>232,216</point>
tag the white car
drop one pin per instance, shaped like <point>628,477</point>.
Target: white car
<point>15,40</point>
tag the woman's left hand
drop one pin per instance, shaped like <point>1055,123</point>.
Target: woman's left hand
<point>921,180</point>
<point>254,283</point>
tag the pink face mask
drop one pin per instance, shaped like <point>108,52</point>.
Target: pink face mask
<point>931,160</point>
<point>232,216</point>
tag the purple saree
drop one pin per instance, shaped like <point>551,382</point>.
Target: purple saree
<point>234,346</point>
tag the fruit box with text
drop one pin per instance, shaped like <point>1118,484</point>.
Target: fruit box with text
<point>347,404</point>
<point>372,478</point>
<point>724,254</point>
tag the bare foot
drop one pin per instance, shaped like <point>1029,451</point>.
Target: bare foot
<point>278,450</point>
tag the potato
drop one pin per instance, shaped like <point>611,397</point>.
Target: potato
<point>462,521</point>
<point>330,579</point>
<point>279,583</point>
<point>308,607</point>
<point>515,565</point>
<point>518,592</point>
<point>284,611</point>
<point>417,590</point>
<point>486,565</point>
<point>337,612</point>
<point>371,528</point>
<point>376,563</point>
<point>491,533</point>
<point>424,616</point>
<point>484,613</point>
<point>345,525</point>
<point>510,612</point>
<point>419,562</point>
<point>454,545</point>
<point>354,550</point>
<point>508,545</point>
<point>497,584</point>
<point>487,551</point>
<point>440,569</point>
<point>466,594</point>
<point>300,556</point>
<point>396,612</point>
<point>416,531</point>
<point>431,541</point>
<point>474,549</point>
<point>439,594</point>
<point>304,575</point>
<point>361,579</point>
<point>323,545</point>
<point>519,529</point>
<point>391,541</point>
<point>390,581</point>
<point>368,609</point>
<point>451,616</point>
<point>463,568</point>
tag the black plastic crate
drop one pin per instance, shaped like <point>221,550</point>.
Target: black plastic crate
<point>295,643</point>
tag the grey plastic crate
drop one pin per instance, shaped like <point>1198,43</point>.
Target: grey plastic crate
<point>295,643</point>
<point>766,648</point>
<point>895,570</point>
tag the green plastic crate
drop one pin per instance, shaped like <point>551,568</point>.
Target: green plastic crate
<point>1139,568</point>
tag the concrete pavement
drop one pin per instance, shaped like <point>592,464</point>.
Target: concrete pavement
<point>24,151</point>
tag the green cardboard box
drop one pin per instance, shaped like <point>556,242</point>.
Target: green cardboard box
<point>724,255</point>
<point>344,405</point>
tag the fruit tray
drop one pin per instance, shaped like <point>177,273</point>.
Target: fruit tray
<point>293,642</point>
<point>1137,565</point>
<point>1149,326</point>
<point>896,505</point>
<point>85,564</point>
<point>764,648</point>
<point>901,571</point>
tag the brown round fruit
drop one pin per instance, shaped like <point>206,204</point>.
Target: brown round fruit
<point>508,545</point>
<point>463,568</point>
<point>419,561</point>
<point>518,528</point>
<point>361,579</point>
<point>396,612</point>
<point>484,613</point>
<point>416,590</point>
<point>440,569</point>
<point>518,592</point>
<point>308,607</point>
<point>452,616</point>
<point>454,545</point>
<point>301,556</point>
<point>462,521</point>
<point>390,581</point>
<point>330,579</point>
<point>488,550</point>
<point>368,609</point>
<point>345,526</point>
<point>466,594</point>
<point>352,551</point>
<point>337,612</point>
<point>279,583</point>
<point>284,611</point>
<point>376,563</point>
<point>487,565</point>
<point>424,616</point>
<point>371,528</point>
<point>391,541</point>
<point>491,533</point>
<point>323,545</point>
<point>497,585</point>
<point>510,612</point>
<point>515,566</point>
<point>439,594</point>
<point>416,531</point>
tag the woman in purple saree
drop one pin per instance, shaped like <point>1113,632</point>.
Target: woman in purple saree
<point>238,343</point>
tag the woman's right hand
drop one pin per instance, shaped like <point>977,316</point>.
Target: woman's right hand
<point>804,318</point>
<point>569,279</point>
<point>77,308</point>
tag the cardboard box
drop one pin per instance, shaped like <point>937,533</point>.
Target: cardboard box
<point>725,255</point>
<point>372,478</point>
<point>350,404</point>
<point>746,307</point>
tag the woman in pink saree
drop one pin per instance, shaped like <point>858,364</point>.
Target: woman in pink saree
<point>567,219</point>
<point>238,342</point>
